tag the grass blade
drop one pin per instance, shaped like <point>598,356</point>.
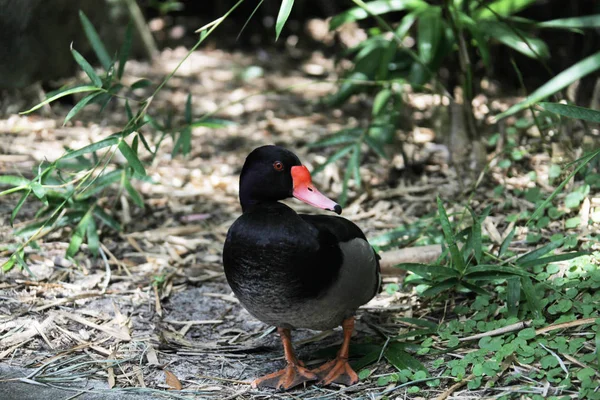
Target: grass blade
<point>583,161</point>
<point>495,268</point>
<point>440,287</point>
<point>457,260</point>
<point>95,41</point>
<point>474,288</point>
<point>282,17</point>
<point>513,295</point>
<point>537,253</point>
<point>551,259</point>
<point>533,302</point>
<point>427,271</point>
<point>399,358</point>
<point>506,242</point>
<point>476,236</point>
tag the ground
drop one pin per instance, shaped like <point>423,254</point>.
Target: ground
<point>159,304</point>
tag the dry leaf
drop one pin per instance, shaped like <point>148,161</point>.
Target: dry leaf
<point>172,380</point>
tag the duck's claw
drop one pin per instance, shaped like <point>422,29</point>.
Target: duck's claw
<point>287,378</point>
<point>336,371</point>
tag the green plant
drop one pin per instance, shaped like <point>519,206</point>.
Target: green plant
<point>455,31</point>
<point>72,188</point>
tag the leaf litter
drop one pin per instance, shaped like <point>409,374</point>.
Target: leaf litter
<point>155,314</point>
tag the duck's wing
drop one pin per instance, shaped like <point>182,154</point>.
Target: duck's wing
<point>359,274</point>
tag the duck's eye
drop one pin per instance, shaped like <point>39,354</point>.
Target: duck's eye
<point>278,166</point>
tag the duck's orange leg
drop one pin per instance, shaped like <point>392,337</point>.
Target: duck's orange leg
<point>338,370</point>
<point>292,375</point>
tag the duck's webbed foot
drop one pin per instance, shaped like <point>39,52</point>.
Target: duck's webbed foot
<point>292,375</point>
<point>287,378</point>
<point>338,370</point>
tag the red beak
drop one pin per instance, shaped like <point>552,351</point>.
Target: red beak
<point>305,191</point>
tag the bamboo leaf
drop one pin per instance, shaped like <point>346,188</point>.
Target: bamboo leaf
<point>585,21</point>
<point>336,156</point>
<point>67,92</point>
<point>344,195</point>
<point>375,8</point>
<point>13,180</point>
<point>570,111</point>
<point>79,234</point>
<point>100,183</point>
<point>107,219</point>
<point>345,136</point>
<point>109,141</point>
<point>502,8</point>
<point>355,163</point>
<point>17,208</point>
<point>79,106</point>
<point>125,49</point>
<point>132,158</point>
<point>519,40</point>
<point>380,101</point>
<point>95,41</point>
<point>87,68</point>
<point>19,257</point>
<point>282,17</point>
<point>141,83</point>
<point>92,237</point>
<point>188,109</point>
<point>133,193</point>
<point>376,146</point>
<point>559,82</point>
<point>429,33</point>
<point>212,123</point>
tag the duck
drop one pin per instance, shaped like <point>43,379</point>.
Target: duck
<point>297,271</point>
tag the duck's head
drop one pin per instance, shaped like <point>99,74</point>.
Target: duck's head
<point>272,173</point>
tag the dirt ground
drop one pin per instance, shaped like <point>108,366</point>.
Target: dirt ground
<point>159,304</point>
